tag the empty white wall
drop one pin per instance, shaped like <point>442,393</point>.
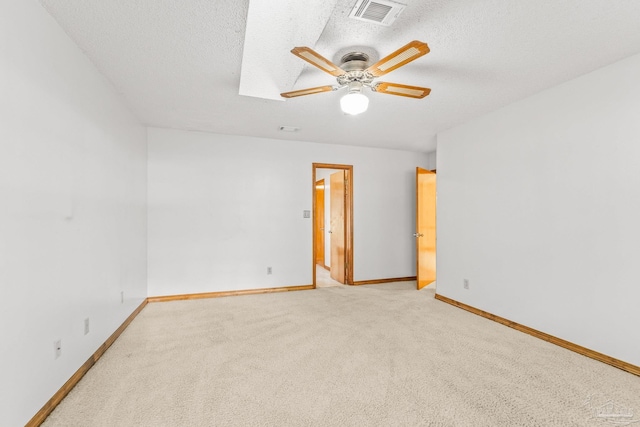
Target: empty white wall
<point>431,160</point>
<point>538,206</point>
<point>222,208</point>
<point>72,209</point>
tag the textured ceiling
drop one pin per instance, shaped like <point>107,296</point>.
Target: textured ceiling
<point>184,64</point>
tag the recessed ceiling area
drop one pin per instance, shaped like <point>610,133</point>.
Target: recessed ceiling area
<point>219,66</point>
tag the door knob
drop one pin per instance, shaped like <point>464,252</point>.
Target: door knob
<point>330,232</point>
<point>418,235</point>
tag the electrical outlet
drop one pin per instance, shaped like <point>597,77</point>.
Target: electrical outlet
<point>269,271</point>
<point>86,326</point>
<point>57,348</point>
<point>121,297</point>
<point>465,283</point>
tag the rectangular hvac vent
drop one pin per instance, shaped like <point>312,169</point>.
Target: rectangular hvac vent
<point>381,12</point>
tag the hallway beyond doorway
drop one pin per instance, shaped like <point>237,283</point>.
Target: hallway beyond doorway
<point>323,278</point>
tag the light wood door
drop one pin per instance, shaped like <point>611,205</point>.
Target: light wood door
<point>425,227</point>
<point>337,209</point>
<point>319,248</point>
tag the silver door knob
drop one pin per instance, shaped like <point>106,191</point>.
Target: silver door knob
<point>418,235</point>
<point>330,232</point>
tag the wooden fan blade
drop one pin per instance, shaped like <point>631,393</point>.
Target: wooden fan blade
<point>309,91</point>
<point>402,90</point>
<point>314,58</point>
<point>400,57</point>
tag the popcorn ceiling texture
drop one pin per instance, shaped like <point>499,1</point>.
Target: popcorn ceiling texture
<point>384,355</point>
<point>264,73</point>
<point>178,64</point>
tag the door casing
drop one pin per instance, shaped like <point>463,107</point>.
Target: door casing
<point>348,218</point>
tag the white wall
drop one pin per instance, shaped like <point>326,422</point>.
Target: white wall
<point>431,160</point>
<point>224,208</point>
<point>538,207</point>
<point>72,209</point>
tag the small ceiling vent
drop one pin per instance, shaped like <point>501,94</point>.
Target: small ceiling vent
<point>381,12</point>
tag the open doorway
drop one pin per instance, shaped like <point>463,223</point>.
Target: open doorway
<point>332,224</point>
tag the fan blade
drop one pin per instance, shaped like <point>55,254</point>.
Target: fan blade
<point>314,58</point>
<point>402,90</point>
<point>309,91</point>
<point>400,57</point>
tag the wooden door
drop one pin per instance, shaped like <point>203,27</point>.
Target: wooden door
<point>425,227</point>
<point>337,208</point>
<point>319,248</point>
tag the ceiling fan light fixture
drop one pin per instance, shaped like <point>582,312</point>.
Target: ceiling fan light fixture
<point>355,73</point>
<point>355,102</point>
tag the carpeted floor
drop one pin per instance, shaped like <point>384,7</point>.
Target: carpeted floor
<point>381,355</point>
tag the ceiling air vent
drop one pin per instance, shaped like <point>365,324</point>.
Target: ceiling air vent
<point>381,12</point>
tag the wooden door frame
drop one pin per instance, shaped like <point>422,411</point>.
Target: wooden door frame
<point>348,218</point>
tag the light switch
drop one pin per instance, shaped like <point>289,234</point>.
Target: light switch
<point>306,214</point>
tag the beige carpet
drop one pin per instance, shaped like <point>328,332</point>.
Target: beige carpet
<point>340,356</point>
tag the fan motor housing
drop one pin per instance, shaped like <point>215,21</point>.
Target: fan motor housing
<point>355,64</point>
<point>354,61</point>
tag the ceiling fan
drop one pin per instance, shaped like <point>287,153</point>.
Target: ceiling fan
<point>355,74</point>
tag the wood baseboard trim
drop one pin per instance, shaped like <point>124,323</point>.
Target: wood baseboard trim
<point>228,293</point>
<point>628,367</point>
<point>48,407</point>
<point>379,281</point>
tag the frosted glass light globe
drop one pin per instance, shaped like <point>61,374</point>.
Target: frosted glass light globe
<point>354,103</point>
